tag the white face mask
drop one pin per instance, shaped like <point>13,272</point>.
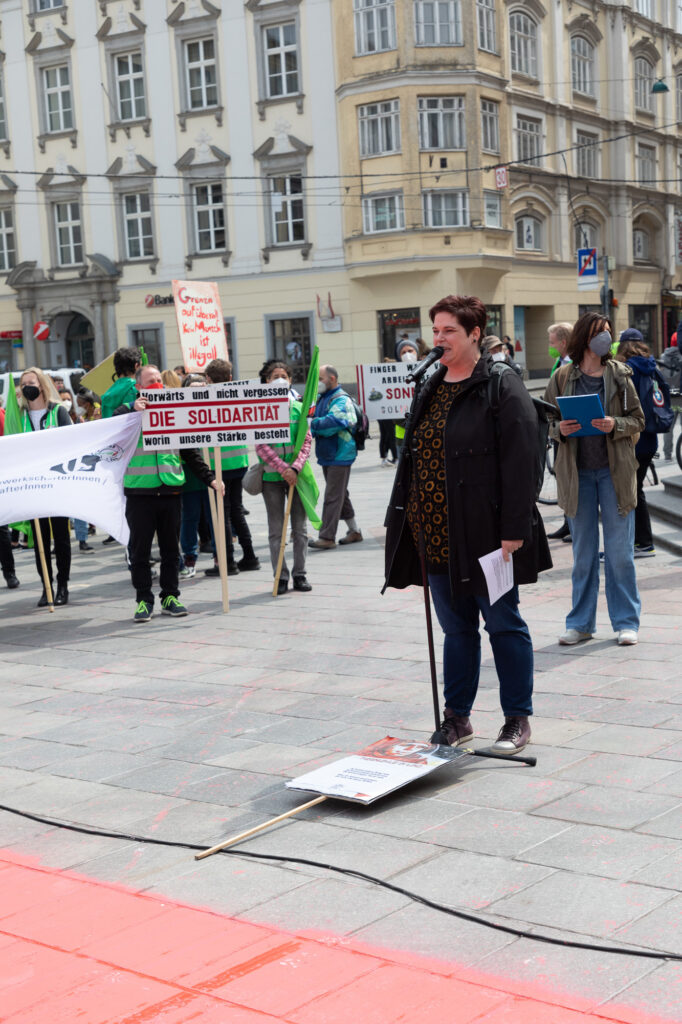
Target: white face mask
<point>498,357</point>
<point>408,357</point>
<point>280,382</point>
<point>67,403</point>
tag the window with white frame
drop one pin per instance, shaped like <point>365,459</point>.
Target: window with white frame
<point>441,122</point>
<point>374,25</point>
<point>645,160</point>
<point>58,101</point>
<point>68,233</point>
<point>383,213</point>
<point>523,41</point>
<point>8,249</point>
<point>641,244</point>
<point>644,7</point>
<point>678,97</point>
<point>201,72</point>
<point>209,217</point>
<point>586,235</point>
<point>490,126</point>
<point>529,233</point>
<point>528,140</point>
<point>286,205</point>
<point>644,80</point>
<point>48,5</point>
<point>582,66</point>
<point>446,209</point>
<point>492,209</point>
<point>587,154</point>
<point>137,222</point>
<point>438,22</point>
<point>129,74</point>
<point>379,125</point>
<point>485,19</point>
<point>3,115</point>
<point>280,49</point>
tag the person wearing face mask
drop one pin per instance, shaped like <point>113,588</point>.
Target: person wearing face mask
<point>152,485</point>
<point>41,410</point>
<point>597,475</point>
<point>281,469</point>
<point>492,346</point>
<point>332,427</point>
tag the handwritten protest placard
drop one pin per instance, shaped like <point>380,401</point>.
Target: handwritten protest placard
<point>383,391</point>
<point>200,323</point>
<point>240,412</point>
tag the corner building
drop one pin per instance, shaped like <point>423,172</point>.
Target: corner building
<point>332,165</point>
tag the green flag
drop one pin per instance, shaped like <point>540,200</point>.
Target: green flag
<point>13,417</point>
<point>308,400</point>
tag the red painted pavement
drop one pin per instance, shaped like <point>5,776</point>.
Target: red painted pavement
<point>78,951</point>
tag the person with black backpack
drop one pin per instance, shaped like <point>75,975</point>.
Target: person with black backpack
<point>654,397</point>
<point>338,434</point>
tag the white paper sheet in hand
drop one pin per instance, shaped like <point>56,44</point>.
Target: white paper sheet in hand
<point>499,575</point>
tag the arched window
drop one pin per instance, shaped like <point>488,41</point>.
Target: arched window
<point>644,80</point>
<point>523,39</point>
<point>529,233</point>
<point>586,235</point>
<point>582,66</point>
<point>641,244</point>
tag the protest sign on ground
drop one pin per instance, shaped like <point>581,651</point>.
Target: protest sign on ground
<point>239,412</point>
<point>200,323</point>
<point>382,390</point>
<point>73,471</point>
<point>377,770</point>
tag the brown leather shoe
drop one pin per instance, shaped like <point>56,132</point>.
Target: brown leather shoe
<point>352,537</point>
<point>322,545</point>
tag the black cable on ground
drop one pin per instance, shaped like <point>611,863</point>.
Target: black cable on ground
<point>351,873</point>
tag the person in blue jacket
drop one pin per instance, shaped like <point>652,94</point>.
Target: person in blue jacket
<point>332,427</point>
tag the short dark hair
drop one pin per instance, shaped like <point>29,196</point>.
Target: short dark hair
<point>468,309</point>
<point>218,371</point>
<point>126,361</point>
<point>584,329</point>
<point>88,396</point>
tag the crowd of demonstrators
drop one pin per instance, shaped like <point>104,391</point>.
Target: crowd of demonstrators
<point>281,469</point>
<point>153,489</point>
<point>465,486</point>
<point>41,409</point>
<point>598,475</point>
<point>335,449</point>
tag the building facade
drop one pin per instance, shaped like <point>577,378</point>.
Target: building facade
<point>336,166</point>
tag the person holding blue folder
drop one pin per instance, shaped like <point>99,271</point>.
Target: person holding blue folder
<point>596,472</point>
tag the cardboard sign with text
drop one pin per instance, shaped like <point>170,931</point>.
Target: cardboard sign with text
<point>240,412</point>
<point>200,324</point>
<point>382,391</point>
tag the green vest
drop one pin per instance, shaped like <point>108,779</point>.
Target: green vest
<point>232,457</point>
<point>285,451</point>
<point>51,420</point>
<point>151,470</point>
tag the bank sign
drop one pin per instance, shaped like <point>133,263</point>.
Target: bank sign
<point>240,412</point>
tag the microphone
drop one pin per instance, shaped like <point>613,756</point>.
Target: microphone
<point>421,368</point>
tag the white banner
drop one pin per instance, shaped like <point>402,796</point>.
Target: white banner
<point>241,412</point>
<point>377,770</point>
<point>382,391</point>
<point>72,471</point>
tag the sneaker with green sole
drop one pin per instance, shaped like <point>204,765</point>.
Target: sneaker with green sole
<point>143,612</point>
<point>171,606</point>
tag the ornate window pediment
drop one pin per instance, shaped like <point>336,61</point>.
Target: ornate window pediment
<point>584,25</point>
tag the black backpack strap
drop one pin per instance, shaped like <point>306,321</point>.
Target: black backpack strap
<point>496,371</point>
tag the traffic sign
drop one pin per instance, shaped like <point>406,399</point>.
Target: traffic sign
<point>588,262</point>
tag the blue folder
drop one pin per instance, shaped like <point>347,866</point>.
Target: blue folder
<point>583,408</point>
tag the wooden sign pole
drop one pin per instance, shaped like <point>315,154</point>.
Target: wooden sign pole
<point>43,564</point>
<point>283,543</point>
<point>220,535</point>
<point>258,828</point>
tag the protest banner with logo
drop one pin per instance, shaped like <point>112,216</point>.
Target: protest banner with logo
<point>382,390</point>
<point>75,471</point>
<point>200,323</point>
<point>239,412</point>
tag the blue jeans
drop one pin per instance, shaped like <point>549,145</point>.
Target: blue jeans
<point>597,494</point>
<point>80,528</point>
<point>509,639</point>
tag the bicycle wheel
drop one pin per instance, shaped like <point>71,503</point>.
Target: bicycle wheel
<point>548,493</point>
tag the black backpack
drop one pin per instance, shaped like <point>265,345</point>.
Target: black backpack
<point>654,398</point>
<point>360,431</point>
<point>543,410</point>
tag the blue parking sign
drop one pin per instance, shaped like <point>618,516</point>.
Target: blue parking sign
<point>588,262</point>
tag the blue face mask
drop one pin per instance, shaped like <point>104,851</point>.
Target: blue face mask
<point>601,343</point>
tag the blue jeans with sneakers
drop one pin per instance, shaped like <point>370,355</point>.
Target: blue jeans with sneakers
<point>597,494</point>
<point>509,638</point>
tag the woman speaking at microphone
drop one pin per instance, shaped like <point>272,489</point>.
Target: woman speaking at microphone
<point>42,410</point>
<point>466,484</point>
